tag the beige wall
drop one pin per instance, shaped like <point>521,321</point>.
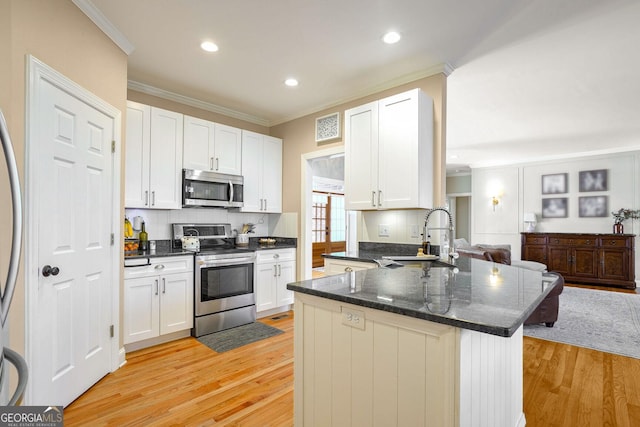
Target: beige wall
<point>155,101</point>
<point>299,138</point>
<point>60,35</point>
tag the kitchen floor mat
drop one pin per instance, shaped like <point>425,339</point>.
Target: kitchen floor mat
<point>237,337</point>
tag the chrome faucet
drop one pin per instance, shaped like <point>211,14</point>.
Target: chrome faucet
<point>452,252</point>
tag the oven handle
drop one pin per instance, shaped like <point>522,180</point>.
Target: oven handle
<point>224,262</point>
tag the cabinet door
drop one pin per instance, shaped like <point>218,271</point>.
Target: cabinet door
<point>198,144</point>
<point>265,288</point>
<point>585,263</point>
<point>559,260</point>
<point>165,175</point>
<point>252,163</point>
<point>272,175</point>
<point>361,157</point>
<point>176,302</point>
<point>228,150</point>
<point>141,309</point>
<point>400,162</point>
<point>136,183</point>
<point>286,274</point>
<point>535,253</point>
<point>614,265</point>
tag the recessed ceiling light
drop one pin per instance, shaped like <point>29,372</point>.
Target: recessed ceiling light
<point>391,37</point>
<point>209,46</point>
<point>291,82</point>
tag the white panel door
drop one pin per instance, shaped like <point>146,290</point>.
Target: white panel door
<point>198,144</point>
<point>176,302</point>
<point>165,175</point>
<point>71,349</point>
<point>265,287</point>
<point>228,150</point>
<point>361,157</point>
<point>272,174</point>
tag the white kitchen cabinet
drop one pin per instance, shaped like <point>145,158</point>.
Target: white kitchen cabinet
<point>276,268</point>
<point>262,171</point>
<point>153,163</point>
<point>389,153</point>
<point>158,298</point>
<point>339,266</point>
<point>210,146</point>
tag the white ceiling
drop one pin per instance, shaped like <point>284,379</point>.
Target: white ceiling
<point>531,80</point>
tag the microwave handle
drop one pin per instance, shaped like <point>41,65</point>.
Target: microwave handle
<point>231,192</point>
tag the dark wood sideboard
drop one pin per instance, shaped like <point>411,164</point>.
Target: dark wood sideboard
<point>600,259</point>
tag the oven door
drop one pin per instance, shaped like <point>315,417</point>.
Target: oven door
<point>222,285</point>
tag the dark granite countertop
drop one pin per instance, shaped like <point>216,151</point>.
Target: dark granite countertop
<point>475,294</point>
<point>370,251</point>
<point>164,249</point>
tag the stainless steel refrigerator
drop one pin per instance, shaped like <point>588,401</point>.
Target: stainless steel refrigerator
<point>12,275</point>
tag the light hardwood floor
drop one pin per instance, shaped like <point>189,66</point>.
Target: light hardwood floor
<point>186,383</point>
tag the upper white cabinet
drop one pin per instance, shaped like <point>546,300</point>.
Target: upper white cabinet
<point>262,171</point>
<point>389,153</point>
<point>212,147</point>
<point>153,164</point>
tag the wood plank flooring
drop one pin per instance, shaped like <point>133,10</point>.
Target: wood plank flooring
<point>186,383</point>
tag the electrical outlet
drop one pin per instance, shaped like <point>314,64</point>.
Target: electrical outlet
<point>415,232</point>
<point>353,318</point>
<point>383,230</point>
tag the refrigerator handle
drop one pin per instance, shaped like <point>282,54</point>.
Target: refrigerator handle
<point>16,239</point>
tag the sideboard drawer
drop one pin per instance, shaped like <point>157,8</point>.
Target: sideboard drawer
<point>614,242</point>
<point>532,239</point>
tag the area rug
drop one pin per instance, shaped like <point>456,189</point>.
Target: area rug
<point>601,320</point>
<point>237,337</point>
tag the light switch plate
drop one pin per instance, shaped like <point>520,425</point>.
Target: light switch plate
<point>415,232</point>
<point>383,230</point>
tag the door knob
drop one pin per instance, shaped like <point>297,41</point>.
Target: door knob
<point>47,271</point>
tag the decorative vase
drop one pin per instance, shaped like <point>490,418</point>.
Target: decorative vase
<point>618,228</point>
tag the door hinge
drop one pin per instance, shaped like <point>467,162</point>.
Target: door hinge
<point>111,331</point>
<point>113,239</point>
<point>113,146</point>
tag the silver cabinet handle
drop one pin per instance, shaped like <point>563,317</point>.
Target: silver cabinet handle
<point>279,270</point>
<point>275,271</point>
<point>153,198</point>
<point>146,198</point>
<point>211,163</point>
<point>164,285</point>
<point>348,269</point>
<point>373,199</point>
<point>156,286</point>
<point>217,163</point>
<point>159,267</point>
<point>265,204</point>
<point>379,197</point>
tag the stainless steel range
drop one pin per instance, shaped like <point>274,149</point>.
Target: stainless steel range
<point>224,278</point>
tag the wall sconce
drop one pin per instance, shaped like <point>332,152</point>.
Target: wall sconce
<point>530,220</point>
<point>495,202</point>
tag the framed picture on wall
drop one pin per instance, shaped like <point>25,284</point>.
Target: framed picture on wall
<point>554,184</point>
<point>593,206</point>
<point>555,207</point>
<point>595,180</point>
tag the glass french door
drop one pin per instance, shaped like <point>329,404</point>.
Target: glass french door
<point>328,224</point>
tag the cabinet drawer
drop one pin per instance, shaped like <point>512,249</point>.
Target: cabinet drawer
<point>532,239</point>
<point>573,241</point>
<point>271,255</point>
<point>614,242</point>
<point>161,265</point>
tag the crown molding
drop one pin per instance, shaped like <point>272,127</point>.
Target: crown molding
<point>105,25</point>
<point>193,102</point>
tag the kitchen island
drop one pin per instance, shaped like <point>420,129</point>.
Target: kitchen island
<point>424,344</point>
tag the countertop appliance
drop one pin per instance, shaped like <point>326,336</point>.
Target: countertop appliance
<point>12,275</point>
<point>211,189</point>
<point>224,281</point>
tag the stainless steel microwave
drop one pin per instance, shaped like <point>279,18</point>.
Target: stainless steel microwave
<point>211,189</point>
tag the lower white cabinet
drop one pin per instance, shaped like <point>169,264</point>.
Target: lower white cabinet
<point>276,268</point>
<point>158,298</point>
